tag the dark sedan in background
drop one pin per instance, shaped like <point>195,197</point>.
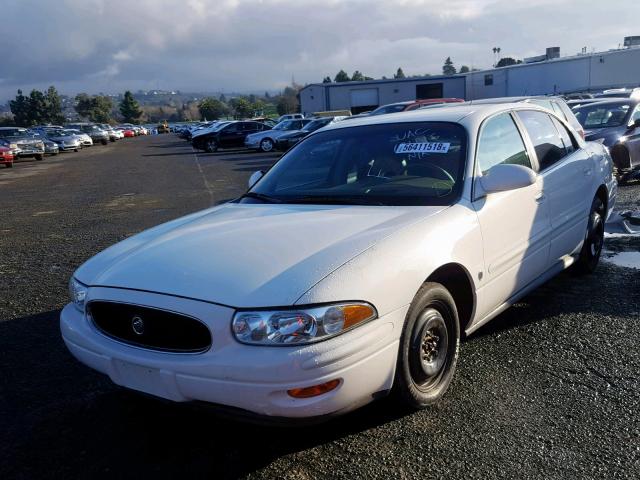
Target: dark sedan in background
<point>616,124</point>
<point>286,141</point>
<point>227,135</point>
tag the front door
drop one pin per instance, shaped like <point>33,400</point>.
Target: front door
<point>514,223</point>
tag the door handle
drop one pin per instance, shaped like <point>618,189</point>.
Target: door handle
<point>540,197</point>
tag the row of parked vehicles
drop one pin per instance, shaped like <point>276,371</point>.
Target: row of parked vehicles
<point>611,117</point>
<point>36,142</point>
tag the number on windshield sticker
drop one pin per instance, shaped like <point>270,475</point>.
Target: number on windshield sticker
<point>427,147</point>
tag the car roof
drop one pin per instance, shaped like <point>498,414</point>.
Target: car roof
<point>465,113</point>
<point>513,99</point>
<point>612,101</point>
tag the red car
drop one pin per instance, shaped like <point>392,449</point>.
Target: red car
<point>6,157</point>
<point>127,133</point>
<point>412,105</point>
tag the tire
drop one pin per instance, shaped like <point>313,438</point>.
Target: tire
<point>593,239</point>
<point>429,347</point>
<point>75,150</point>
<point>39,157</point>
<point>266,145</point>
<point>211,146</point>
<point>8,165</point>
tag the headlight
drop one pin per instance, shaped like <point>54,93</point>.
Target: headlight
<point>78,293</point>
<point>300,325</point>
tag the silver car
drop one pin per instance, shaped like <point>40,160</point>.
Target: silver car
<point>27,145</point>
<point>66,141</point>
<point>266,140</point>
<point>85,139</point>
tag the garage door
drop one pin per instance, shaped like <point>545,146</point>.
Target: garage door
<point>364,97</point>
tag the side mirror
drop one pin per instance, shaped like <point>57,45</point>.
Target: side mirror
<point>501,178</point>
<point>255,176</point>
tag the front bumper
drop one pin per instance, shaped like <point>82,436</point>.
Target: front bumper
<point>254,379</point>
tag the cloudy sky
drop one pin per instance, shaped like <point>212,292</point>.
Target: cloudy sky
<point>254,45</point>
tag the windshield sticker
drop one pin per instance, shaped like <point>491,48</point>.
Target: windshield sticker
<point>424,147</point>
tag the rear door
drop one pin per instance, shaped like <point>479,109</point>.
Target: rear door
<point>567,175</point>
<point>515,223</point>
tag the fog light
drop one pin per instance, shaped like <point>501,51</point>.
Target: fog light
<point>314,391</point>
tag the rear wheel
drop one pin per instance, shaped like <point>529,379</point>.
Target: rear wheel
<point>594,239</point>
<point>8,165</point>
<point>266,145</point>
<point>212,146</point>
<point>428,347</point>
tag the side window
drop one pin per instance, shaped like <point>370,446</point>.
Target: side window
<point>232,128</point>
<point>566,137</point>
<point>544,136</point>
<point>636,114</point>
<point>500,143</point>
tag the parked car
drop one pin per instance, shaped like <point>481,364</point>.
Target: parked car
<point>616,124</point>
<point>27,145</point>
<point>50,147</point>
<point>266,140</point>
<point>227,135</point>
<point>412,105</point>
<point>66,140</point>
<point>269,122</point>
<point>205,129</point>
<point>84,138</point>
<point>351,268</point>
<point>290,116</point>
<point>114,136</point>
<point>288,140</point>
<point>6,156</point>
<point>126,132</point>
<point>11,145</point>
<point>620,93</point>
<point>553,104</point>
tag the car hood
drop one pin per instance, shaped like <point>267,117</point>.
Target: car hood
<point>252,255</point>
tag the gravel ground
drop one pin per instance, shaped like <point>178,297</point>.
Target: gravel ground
<point>550,389</point>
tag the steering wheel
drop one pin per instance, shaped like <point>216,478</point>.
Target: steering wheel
<point>440,172</point>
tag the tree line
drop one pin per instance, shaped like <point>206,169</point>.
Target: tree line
<point>246,106</point>
<point>41,108</point>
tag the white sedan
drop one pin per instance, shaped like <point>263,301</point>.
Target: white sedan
<point>352,267</point>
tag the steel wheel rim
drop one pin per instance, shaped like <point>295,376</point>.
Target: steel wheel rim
<point>596,236</point>
<point>430,350</point>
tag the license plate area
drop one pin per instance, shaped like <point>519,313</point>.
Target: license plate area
<point>143,379</point>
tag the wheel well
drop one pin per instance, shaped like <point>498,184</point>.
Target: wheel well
<point>456,279</point>
<point>602,194</point>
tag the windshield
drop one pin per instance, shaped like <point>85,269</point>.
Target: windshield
<point>14,132</point>
<point>316,124</point>
<point>57,133</point>
<point>393,108</point>
<point>390,164</point>
<point>597,115</point>
<point>285,125</point>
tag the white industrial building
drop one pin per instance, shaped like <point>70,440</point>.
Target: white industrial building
<point>544,75</point>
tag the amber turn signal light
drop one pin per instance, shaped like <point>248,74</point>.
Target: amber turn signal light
<point>314,391</point>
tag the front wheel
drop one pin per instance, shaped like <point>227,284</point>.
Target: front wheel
<point>593,240</point>
<point>428,347</point>
<point>104,142</point>
<point>39,157</point>
<point>8,165</point>
<point>266,145</point>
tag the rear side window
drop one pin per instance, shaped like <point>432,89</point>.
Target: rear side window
<point>558,110</point>
<point>500,143</point>
<point>543,103</point>
<point>565,136</point>
<point>544,136</point>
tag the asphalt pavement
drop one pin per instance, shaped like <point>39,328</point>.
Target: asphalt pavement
<point>550,389</point>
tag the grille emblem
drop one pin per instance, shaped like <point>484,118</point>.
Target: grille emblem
<point>137,324</point>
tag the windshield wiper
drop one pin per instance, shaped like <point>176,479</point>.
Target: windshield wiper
<point>261,196</point>
<point>333,200</point>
